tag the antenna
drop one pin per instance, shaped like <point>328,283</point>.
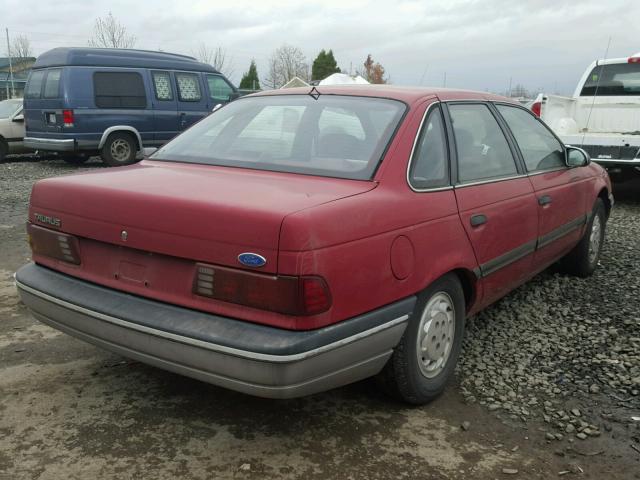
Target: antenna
<point>595,93</point>
<point>426,67</point>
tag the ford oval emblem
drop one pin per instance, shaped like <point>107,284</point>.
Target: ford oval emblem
<point>252,259</point>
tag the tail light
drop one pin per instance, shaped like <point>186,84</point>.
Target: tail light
<point>536,108</point>
<point>50,243</point>
<point>290,295</point>
<point>634,59</point>
<point>67,118</point>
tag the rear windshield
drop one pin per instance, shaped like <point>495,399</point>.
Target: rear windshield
<point>613,80</point>
<point>334,136</point>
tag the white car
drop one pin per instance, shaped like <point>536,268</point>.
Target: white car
<point>11,127</point>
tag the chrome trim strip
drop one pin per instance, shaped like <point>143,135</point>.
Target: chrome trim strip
<point>65,141</point>
<point>508,258</point>
<point>264,357</point>
<point>491,180</point>
<point>549,170</point>
<point>413,149</point>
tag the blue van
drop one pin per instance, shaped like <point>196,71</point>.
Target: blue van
<point>113,102</point>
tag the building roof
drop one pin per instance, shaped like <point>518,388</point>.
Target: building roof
<point>119,57</point>
<point>295,82</point>
<point>405,94</point>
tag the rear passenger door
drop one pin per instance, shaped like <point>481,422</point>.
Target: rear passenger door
<point>561,191</point>
<point>165,106</point>
<point>192,100</point>
<point>496,203</point>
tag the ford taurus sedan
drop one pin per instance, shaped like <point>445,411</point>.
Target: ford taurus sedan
<point>295,241</point>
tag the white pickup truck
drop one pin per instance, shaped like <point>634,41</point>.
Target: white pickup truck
<point>603,116</point>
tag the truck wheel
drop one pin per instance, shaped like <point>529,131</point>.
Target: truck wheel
<point>4,149</point>
<point>119,149</point>
<point>583,259</point>
<point>426,356</point>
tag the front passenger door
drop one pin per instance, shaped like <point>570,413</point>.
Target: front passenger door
<point>561,191</point>
<point>496,202</point>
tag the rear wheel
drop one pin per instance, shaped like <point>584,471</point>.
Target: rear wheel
<point>583,259</point>
<point>119,149</point>
<point>4,149</point>
<point>426,356</point>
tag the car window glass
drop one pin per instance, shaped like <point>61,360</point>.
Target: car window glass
<point>34,85</point>
<point>188,87</point>
<point>618,79</point>
<point>52,84</point>
<point>483,151</point>
<point>9,108</point>
<point>334,135</point>
<point>429,165</point>
<point>162,85</point>
<point>119,90</point>
<point>219,89</point>
<point>540,149</point>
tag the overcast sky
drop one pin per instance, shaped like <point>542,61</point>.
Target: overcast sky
<point>481,45</point>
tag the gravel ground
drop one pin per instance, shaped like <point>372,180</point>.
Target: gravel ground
<point>554,362</point>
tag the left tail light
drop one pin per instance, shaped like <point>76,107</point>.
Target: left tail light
<point>50,243</point>
<point>67,118</point>
<point>536,108</point>
<point>289,295</point>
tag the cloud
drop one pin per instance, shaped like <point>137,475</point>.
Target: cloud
<point>482,45</point>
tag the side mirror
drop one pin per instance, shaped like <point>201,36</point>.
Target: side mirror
<point>216,107</point>
<point>147,151</point>
<point>19,118</point>
<point>577,157</point>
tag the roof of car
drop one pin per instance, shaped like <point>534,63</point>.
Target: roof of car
<point>119,57</point>
<point>405,94</point>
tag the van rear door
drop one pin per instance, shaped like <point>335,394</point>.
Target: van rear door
<point>165,106</point>
<point>192,99</point>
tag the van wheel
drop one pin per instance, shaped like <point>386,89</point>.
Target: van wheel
<point>426,356</point>
<point>4,149</point>
<point>583,259</point>
<point>119,149</point>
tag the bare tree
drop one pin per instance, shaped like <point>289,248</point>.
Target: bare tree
<point>109,33</point>
<point>285,63</point>
<point>215,56</point>
<point>21,49</point>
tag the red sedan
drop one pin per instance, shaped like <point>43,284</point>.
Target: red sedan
<point>295,241</point>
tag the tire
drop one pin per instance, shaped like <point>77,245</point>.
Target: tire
<point>75,158</point>
<point>583,259</point>
<point>4,149</point>
<point>406,376</point>
<point>119,149</point>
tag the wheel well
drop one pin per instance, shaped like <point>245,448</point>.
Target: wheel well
<point>604,195</point>
<point>468,281</point>
<point>127,132</point>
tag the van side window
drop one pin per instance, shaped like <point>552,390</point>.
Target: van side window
<point>52,84</point>
<point>119,90</point>
<point>162,85</point>
<point>34,85</point>
<point>219,89</point>
<point>188,87</point>
<point>430,163</point>
<point>483,151</point>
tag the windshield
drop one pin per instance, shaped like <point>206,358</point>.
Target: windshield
<point>335,136</point>
<point>620,79</point>
<point>9,107</point>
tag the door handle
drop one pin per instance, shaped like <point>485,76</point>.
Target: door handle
<point>544,200</point>
<point>477,220</point>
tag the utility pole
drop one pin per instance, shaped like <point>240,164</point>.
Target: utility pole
<point>13,89</point>
<point>444,81</point>
<point>510,81</point>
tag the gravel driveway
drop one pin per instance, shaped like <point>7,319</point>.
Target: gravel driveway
<point>547,386</point>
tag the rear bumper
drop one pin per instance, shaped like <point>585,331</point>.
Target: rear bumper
<point>234,354</point>
<point>50,144</point>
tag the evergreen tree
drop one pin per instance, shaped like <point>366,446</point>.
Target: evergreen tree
<point>324,65</point>
<point>250,79</point>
